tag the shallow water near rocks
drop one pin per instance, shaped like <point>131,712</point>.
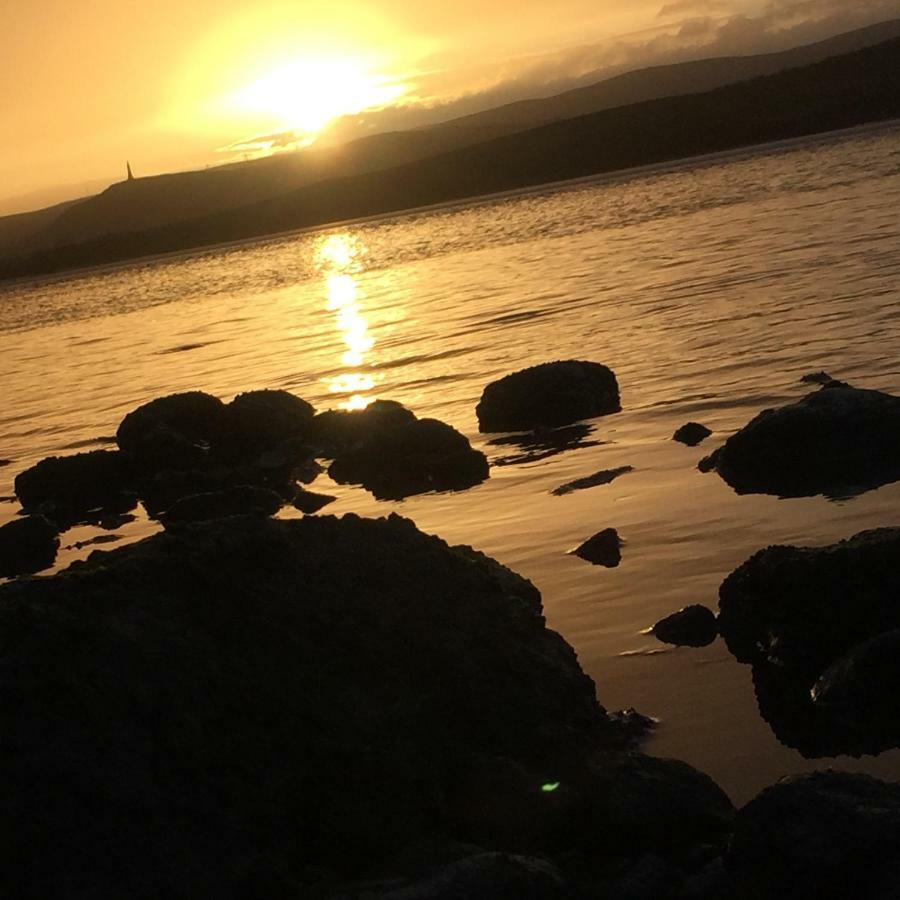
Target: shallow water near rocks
<point>710,288</point>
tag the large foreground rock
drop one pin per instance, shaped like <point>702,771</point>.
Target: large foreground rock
<point>548,395</point>
<point>816,624</point>
<point>27,545</point>
<point>822,836</point>
<point>837,441</point>
<point>322,690</point>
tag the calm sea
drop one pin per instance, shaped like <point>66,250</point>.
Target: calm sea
<point>710,288</point>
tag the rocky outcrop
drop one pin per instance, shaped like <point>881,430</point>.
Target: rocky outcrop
<point>603,549</point>
<point>814,624</point>
<point>27,545</point>
<point>838,441</point>
<point>693,626</point>
<point>257,421</point>
<point>821,836</point>
<point>548,395</point>
<point>691,434</point>
<point>275,706</point>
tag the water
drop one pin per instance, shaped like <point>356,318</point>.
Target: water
<point>710,288</point>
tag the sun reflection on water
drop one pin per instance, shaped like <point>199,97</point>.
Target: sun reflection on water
<point>338,257</point>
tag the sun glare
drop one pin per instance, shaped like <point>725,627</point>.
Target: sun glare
<point>307,93</point>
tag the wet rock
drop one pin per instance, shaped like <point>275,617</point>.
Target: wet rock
<point>544,443</point>
<point>234,501</point>
<point>257,421</point>
<point>819,836</point>
<point>412,457</point>
<point>360,665</point>
<point>27,545</point>
<point>548,395</point>
<point>309,502</point>
<point>838,441</point>
<point>693,626</point>
<point>69,486</point>
<point>339,431</point>
<point>603,549</point>
<point>607,476</point>
<point>172,432</point>
<point>692,433</point>
<point>803,607</point>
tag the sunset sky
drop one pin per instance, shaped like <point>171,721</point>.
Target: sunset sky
<point>170,84</point>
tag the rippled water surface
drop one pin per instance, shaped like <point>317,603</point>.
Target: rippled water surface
<point>710,288</point>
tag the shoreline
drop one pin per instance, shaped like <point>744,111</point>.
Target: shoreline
<point>474,201</point>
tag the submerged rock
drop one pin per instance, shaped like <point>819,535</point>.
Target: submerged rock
<point>693,626</point>
<point>5,462</point>
<point>67,487</point>
<point>411,457</point>
<point>692,433</point>
<point>821,836</point>
<point>607,476</point>
<point>603,549</point>
<point>548,395</point>
<point>27,545</point>
<point>234,501</point>
<point>838,441</point>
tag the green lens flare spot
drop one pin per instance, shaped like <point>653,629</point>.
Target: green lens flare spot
<point>550,787</point>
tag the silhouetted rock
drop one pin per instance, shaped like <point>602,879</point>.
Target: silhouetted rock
<point>5,462</point>
<point>67,487</point>
<point>803,607</point>
<point>632,727</point>
<point>603,549</point>
<point>693,626</point>
<point>692,433</point>
<point>338,431</point>
<point>172,432</point>
<point>837,441</point>
<point>257,421</point>
<point>708,463</point>
<point>579,484</point>
<point>817,378</point>
<point>548,395</point>
<point>820,836</point>
<point>411,457</point>
<point>309,502</point>
<point>234,501</point>
<point>27,545</point>
<point>315,689</point>
<point>806,619</point>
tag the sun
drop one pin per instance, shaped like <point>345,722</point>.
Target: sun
<point>307,93</point>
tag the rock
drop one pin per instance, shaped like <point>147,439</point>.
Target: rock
<point>817,378</point>
<point>311,690</point>
<point>708,463</point>
<point>548,395</point>
<point>633,727</point>
<point>411,457</point>
<point>257,421</point>
<point>692,433</point>
<point>234,501</point>
<point>309,502</point>
<point>693,626</point>
<point>5,462</point>
<point>837,441</point>
<point>67,487</point>
<point>603,549</point>
<point>172,432</point>
<point>803,607</point>
<point>339,431</point>
<point>598,478</point>
<point>27,545</point>
<point>818,836</point>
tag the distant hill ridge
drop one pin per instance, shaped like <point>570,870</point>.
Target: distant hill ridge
<point>838,92</point>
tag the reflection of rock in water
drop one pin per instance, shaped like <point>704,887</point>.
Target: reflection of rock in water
<point>542,443</point>
<point>819,626</point>
<point>607,476</point>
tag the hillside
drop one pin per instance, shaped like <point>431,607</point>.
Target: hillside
<point>837,93</point>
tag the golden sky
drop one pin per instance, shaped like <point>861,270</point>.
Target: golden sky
<point>169,84</point>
